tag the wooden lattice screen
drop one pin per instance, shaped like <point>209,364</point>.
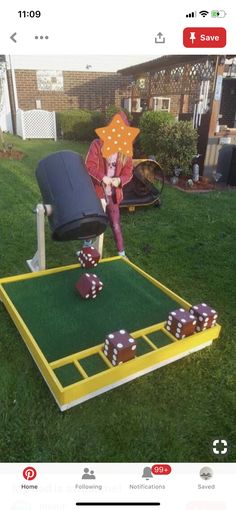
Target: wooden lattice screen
<point>175,79</point>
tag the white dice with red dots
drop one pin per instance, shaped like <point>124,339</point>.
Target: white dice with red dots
<point>120,346</point>
<point>206,316</point>
<point>89,286</point>
<point>181,323</point>
<point>89,257</point>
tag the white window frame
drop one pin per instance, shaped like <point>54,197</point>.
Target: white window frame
<point>127,103</point>
<point>157,104</point>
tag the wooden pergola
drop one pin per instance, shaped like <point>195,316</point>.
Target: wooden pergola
<point>192,82</point>
<point>185,77</point>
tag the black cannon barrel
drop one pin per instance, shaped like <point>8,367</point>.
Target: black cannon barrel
<point>64,183</point>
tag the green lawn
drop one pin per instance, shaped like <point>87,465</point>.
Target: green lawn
<point>172,414</point>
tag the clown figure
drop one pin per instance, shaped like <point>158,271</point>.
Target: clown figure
<point>109,175</point>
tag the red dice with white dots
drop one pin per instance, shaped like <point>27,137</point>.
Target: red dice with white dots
<point>181,323</point>
<point>89,257</point>
<point>89,286</point>
<point>206,316</point>
<point>120,346</point>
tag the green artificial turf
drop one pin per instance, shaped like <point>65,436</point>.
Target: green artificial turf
<point>172,414</point>
<point>93,364</point>
<point>68,374</point>
<point>159,339</point>
<point>63,323</point>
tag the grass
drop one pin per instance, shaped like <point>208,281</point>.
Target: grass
<point>172,414</point>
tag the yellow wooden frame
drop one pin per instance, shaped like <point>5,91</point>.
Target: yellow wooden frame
<point>91,386</point>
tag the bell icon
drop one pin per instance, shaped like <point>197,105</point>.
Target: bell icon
<point>147,473</point>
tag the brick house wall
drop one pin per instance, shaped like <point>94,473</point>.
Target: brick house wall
<point>91,90</point>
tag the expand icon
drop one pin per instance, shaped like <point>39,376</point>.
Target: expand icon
<point>220,446</point>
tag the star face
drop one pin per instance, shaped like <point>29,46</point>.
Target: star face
<point>117,137</point>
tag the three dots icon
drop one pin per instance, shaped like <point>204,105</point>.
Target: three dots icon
<point>41,37</point>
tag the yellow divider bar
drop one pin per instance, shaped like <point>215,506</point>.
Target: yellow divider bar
<point>105,359</point>
<point>148,330</point>
<point>154,347</point>
<point>98,348</point>
<point>108,377</point>
<point>76,356</point>
<point>80,369</point>
<point>172,337</point>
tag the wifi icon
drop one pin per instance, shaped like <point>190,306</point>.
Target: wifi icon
<point>204,13</point>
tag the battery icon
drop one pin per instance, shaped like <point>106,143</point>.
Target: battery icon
<point>218,14</point>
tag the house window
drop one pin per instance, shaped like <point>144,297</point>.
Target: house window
<point>143,105</point>
<point>126,103</point>
<point>139,105</point>
<point>161,104</point>
<point>50,81</point>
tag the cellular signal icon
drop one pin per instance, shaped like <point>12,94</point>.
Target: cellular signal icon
<point>204,13</point>
<point>191,14</point>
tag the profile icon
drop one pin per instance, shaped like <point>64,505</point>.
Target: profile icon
<point>206,473</point>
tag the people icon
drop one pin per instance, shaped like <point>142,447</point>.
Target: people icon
<point>88,475</point>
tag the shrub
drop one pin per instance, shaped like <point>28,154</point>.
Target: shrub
<point>98,120</point>
<point>79,124</point>
<point>172,142</point>
<point>153,131</point>
<point>180,146</point>
<point>113,109</point>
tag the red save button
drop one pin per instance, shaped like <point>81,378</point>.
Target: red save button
<point>204,37</point>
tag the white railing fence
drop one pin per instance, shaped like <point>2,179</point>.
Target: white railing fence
<point>36,124</point>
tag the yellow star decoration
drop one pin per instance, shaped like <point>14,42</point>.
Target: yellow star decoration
<point>117,137</point>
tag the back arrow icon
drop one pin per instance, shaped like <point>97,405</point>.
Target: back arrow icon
<point>12,37</point>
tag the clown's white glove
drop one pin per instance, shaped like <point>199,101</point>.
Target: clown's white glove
<point>107,180</point>
<point>115,182</point>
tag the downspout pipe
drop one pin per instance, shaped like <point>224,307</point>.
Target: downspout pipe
<point>11,82</point>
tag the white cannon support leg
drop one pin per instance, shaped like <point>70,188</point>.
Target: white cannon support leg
<point>98,242</point>
<point>38,262</point>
